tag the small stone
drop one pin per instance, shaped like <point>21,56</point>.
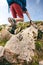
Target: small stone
<point>41,62</point>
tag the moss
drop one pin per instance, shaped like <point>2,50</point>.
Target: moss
<point>39,49</point>
<point>0,28</point>
<point>34,63</point>
<point>23,25</point>
<point>3,42</point>
<point>38,45</point>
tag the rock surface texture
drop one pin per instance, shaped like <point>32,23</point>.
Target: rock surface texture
<point>5,35</point>
<point>1,53</point>
<point>20,47</point>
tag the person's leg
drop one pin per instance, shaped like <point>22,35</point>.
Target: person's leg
<point>19,19</point>
<point>13,14</point>
<point>13,11</point>
<point>13,25</point>
<point>11,21</point>
<point>19,12</point>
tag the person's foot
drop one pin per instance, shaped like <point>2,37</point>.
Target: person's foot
<point>12,21</point>
<point>12,31</point>
<point>13,25</point>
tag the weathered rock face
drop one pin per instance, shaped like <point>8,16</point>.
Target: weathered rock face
<point>21,46</point>
<point>1,52</point>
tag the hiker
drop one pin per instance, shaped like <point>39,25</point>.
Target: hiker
<point>17,8</point>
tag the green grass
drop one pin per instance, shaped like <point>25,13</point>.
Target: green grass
<point>39,45</point>
<point>3,42</point>
<point>39,49</point>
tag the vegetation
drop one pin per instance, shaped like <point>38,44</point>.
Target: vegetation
<point>40,34</point>
<point>5,62</point>
<point>3,42</point>
<point>0,28</point>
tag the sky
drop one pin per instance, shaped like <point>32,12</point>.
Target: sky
<point>34,7</point>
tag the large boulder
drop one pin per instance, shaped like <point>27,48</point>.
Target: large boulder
<point>21,46</point>
<point>5,35</point>
<point>1,53</point>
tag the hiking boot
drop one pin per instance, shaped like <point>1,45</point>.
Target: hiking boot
<point>12,21</point>
<point>13,25</point>
<point>12,31</point>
